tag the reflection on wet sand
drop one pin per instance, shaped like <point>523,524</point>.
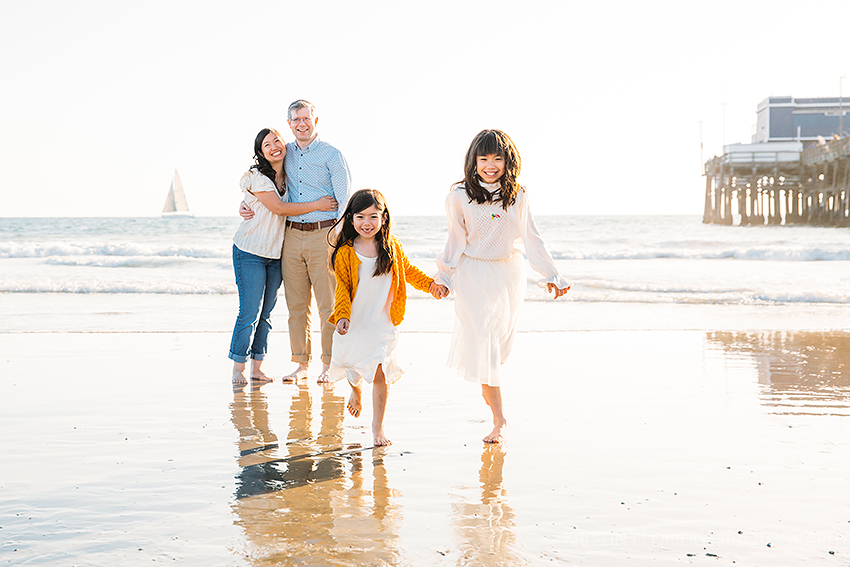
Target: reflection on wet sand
<point>486,527</point>
<point>367,521</point>
<point>309,505</point>
<point>249,414</point>
<point>802,372</point>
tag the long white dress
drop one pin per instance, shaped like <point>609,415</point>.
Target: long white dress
<point>372,338</point>
<point>483,265</point>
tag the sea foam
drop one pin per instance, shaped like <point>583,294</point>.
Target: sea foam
<point>107,286</point>
<point>60,249</point>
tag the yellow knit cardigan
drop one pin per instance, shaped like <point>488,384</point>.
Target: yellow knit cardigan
<point>346,267</point>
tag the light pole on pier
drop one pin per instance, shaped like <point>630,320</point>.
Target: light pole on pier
<point>840,108</point>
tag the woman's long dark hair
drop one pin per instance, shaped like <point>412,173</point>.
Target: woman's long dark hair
<point>262,165</point>
<point>489,142</point>
<point>360,201</point>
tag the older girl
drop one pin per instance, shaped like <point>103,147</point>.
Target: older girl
<point>488,216</point>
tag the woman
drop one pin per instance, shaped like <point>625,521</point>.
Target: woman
<point>256,252</point>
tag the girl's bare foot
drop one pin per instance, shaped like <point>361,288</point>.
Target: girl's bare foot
<point>239,377</point>
<point>355,403</point>
<point>493,397</point>
<point>380,392</point>
<point>381,439</point>
<point>495,436</point>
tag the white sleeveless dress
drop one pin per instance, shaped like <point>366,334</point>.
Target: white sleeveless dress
<point>372,338</point>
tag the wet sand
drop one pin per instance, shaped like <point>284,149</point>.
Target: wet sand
<point>624,447</point>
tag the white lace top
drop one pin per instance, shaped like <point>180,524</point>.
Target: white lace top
<point>488,232</point>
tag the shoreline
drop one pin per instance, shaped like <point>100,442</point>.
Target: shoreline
<point>51,312</point>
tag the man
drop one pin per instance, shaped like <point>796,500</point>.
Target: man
<point>313,169</point>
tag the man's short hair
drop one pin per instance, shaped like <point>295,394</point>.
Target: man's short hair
<point>298,105</point>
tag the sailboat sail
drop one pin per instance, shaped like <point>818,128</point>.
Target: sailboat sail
<point>175,202</point>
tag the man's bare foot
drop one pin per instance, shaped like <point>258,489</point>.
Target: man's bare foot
<point>239,377</point>
<point>355,403</point>
<point>298,374</point>
<point>261,377</point>
<point>381,439</point>
<point>495,436</point>
<point>324,377</point>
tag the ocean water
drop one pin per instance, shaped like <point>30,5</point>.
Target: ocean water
<point>161,274</point>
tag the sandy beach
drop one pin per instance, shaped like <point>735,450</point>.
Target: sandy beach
<point>654,446</point>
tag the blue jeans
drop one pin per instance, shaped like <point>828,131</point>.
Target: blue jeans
<point>257,280</point>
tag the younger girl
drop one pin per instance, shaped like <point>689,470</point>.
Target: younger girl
<point>371,272</point>
<point>256,252</point>
<point>488,215</point>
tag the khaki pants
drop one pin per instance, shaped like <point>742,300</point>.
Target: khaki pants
<point>306,270</point>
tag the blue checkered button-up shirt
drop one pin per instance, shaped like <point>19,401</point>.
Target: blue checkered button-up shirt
<point>317,170</point>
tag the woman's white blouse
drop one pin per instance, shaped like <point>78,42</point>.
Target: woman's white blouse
<point>263,234</point>
<point>486,231</point>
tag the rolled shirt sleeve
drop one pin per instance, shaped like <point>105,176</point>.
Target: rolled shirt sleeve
<point>340,180</point>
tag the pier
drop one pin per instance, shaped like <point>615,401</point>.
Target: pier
<point>776,180</point>
<point>780,186</point>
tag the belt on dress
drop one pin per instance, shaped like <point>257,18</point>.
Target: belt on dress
<point>308,226</point>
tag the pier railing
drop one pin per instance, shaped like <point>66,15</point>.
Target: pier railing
<point>826,152</point>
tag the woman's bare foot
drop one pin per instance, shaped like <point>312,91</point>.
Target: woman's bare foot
<point>355,403</point>
<point>298,374</point>
<point>495,436</point>
<point>324,377</point>
<point>381,439</point>
<point>257,374</point>
<point>239,377</point>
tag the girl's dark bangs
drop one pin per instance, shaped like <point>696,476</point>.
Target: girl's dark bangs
<point>363,201</point>
<point>490,143</point>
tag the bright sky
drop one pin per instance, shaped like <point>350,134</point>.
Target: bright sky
<point>607,101</point>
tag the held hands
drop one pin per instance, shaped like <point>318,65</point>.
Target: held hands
<point>558,292</point>
<point>245,211</point>
<point>327,203</point>
<point>342,326</point>
<point>439,291</point>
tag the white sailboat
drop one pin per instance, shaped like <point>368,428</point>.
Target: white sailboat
<point>175,202</point>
